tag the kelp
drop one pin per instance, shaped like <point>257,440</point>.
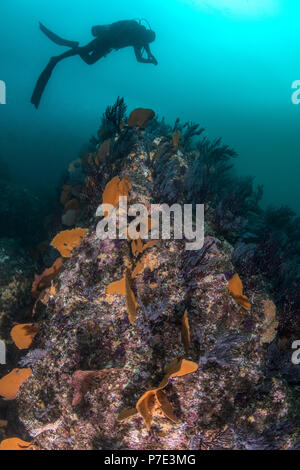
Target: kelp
<point>11,383</point>
<point>185,332</point>
<point>140,117</point>
<point>23,335</point>
<point>67,240</point>
<point>156,397</point>
<point>123,287</point>
<point>14,443</point>
<point>235,287</point>
<point>112,120</point>
<point>44,280</point>
<point>131,302</point>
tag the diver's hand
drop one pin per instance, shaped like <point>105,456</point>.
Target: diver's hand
<point>153,60</point>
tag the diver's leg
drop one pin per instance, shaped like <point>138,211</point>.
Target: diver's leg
<point>65,55</point>
<point>92,52</point>
<point>86,53</point>
<point>46,74</point>
<point>57,39</point>
<point>83,52</point>
<point>41,83</point>
<point>91,58</point>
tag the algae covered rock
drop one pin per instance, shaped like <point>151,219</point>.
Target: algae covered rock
<point>16,275</point>
<point>100,381</point>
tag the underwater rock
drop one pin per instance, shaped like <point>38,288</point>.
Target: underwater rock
<point>183,310</point>
<point>16,276</point>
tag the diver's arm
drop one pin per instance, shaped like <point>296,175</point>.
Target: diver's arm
<point>140,58</point>
<point>150,55</point>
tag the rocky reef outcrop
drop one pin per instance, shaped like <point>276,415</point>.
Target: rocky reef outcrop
<point>147,345</point>
<point>99,351</point>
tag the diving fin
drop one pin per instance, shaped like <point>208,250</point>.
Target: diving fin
<point>42,83</point>
<point>58,40</point>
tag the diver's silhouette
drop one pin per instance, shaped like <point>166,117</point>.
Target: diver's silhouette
<point>115,36</point>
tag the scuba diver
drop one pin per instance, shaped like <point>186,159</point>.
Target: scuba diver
<point>107,38</point>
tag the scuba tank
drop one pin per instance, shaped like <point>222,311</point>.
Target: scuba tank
<point>98,30</point>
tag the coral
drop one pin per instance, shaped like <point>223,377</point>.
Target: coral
<point>33,357</point>
<point>208,171</point>
<point>23,335</point>
<point>44,280</point>
<point>122,145</point>
<point>140,117</point>
<point>80,382</point>
<point>235,287</point>
<point>236,209</point>
<point>169,174</point>
<point>223,351</point>
<point>270,323</point>
<point>66,241</point>
<point>192,130</point>
<point>112,119</point>
<point>11,383</point>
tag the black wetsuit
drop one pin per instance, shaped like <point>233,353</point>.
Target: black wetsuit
<point>108,37</point>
